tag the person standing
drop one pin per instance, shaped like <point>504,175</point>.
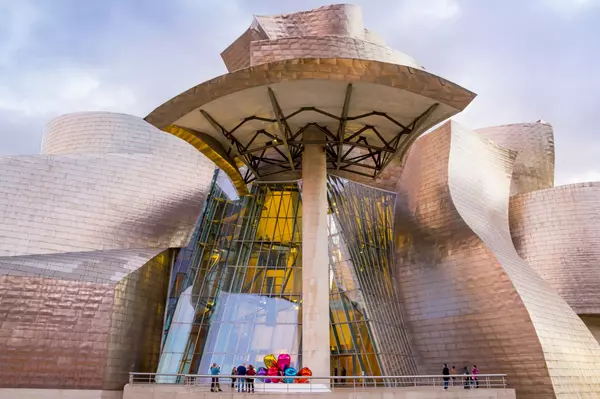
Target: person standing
<point>214,384</point>
<point>467,378</point>
<point>453,374</point>
<point>475,372</point>
<point>250,379</point>
<point>233,372</point>
<point>241,379</point>
<point>446,374</point>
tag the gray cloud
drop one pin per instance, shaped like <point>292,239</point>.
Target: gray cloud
<point>526,60</point>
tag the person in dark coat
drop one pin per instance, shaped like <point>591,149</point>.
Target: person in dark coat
<point>250,378</point>
<point>467,379</point>
<point>233,372</point>
<point>446,374</point>
<point>241,373</point>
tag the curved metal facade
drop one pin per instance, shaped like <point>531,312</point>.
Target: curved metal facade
<point>534,143</point>
<point>469,298</point>
<point>556,231</point>
<point>471,257</point>
<point>312,77</point>
<point>109,181</point>
<point>334,31</point>
<point>85,232</point>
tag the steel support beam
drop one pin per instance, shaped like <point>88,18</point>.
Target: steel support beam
<point>284,129</point>
<point>342,125</point>
<point>415,129</point>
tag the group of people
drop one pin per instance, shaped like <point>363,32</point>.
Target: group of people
<point>244,378</point>
<point>469,381</point>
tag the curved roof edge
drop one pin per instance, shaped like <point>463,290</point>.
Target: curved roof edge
<point>397,76</point>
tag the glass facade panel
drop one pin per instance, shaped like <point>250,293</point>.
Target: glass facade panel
<point>364,298</point>
<point>244,283</point>
<point>241,297</point>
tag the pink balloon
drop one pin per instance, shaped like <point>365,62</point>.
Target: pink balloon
<point>273,371</point>
<point>283,361</point>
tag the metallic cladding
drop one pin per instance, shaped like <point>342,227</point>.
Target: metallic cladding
<point>468,297</point>
<point>125,185</point>
<point>334,31</point>
<point>84,259</point>
<point>572,355</point>
<point>557,231</point>
<point>68,333</point>
<point>316,69</point>
<point>534,144</point>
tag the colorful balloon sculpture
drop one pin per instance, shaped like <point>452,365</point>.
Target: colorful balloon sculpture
<point>283,361</point>
<point>304,372</point>
<point>270,361</point>
<point>262,371</point>
<point>273,371</point>
<point>290,372</point>
<point>281,366</point>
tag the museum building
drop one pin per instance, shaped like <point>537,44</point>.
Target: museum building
<point>295,205</point>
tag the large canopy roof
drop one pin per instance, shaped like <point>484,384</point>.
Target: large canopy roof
<point>368,112</point>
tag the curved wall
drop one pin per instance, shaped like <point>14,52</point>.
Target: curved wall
<point>557,231</point>
<point>80,331</point>
<point>85,232</point>
<point>111,133</point>
<point>112,182</point>
<point>571,354</point>
<point>534,143</point>
<point>334,31</point>
<point>461,307</point>
<point>335,19</point>
<point>264,51</point>
<point>468,298</point>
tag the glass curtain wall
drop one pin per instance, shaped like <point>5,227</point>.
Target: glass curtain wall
<point>368,329</point>
<point>241,297</point>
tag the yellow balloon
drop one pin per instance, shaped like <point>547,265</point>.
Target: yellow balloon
<point>270,361</point>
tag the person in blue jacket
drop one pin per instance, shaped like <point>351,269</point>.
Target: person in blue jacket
<point>214,385</point>
<point>241,372</point>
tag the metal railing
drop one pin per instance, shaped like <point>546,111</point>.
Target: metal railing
<point>231,383</point>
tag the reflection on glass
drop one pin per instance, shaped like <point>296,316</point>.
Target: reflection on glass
<point>179,331</point>
<point>242,291</point>
<point>367,335</point>
<point>245,279</point>
<point>249,327</point>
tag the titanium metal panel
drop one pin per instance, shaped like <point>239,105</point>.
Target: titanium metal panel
<point>557,231</point>
<point>112,182</point>
<point>534,144</point>
<point>85,232</point>
<point>334,31</point>
<point>469,298</point>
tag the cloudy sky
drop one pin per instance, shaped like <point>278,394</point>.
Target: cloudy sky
<point>526,59</point>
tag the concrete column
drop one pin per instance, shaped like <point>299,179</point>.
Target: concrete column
<point>315,259</point>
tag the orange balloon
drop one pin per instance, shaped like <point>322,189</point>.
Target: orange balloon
<point>304,372</point>
<point>270,361</point>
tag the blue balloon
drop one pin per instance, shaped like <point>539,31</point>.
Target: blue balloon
<point>290,372</point>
